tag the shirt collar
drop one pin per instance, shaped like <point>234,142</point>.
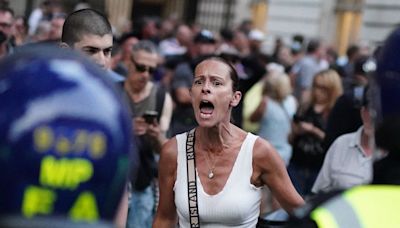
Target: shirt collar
<point>356,140</point>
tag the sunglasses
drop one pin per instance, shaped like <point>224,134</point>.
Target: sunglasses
<point>321,87</point>
<point>5,25</point>
<point>143,68</point>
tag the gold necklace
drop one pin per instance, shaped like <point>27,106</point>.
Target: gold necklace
<point>210,169</point>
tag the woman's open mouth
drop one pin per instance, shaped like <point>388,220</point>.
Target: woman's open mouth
<point>206,109</point>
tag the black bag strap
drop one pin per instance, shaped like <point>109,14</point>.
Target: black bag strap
<point>191,178</point>
<point>160,98</point>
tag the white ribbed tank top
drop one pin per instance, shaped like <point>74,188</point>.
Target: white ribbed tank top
<point>238,203</point>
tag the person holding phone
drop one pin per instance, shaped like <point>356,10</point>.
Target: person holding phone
<point>151,108</point>
<point>308,130</point>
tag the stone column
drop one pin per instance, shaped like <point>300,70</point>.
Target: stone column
<point>259,14</point>
<point>119,12</point>
<point>349,20</point>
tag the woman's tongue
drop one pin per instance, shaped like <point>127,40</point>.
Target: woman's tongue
<point>206,112</point>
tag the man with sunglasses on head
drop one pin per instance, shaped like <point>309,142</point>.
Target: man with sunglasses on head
<point>146,99</point>
<point>89,32</point>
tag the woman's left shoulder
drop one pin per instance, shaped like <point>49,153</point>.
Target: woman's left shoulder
<point>265,158</point>
<point>262,148</point>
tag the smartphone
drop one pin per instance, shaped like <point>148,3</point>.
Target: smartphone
<point>150,116</point>
<point>298,118</point>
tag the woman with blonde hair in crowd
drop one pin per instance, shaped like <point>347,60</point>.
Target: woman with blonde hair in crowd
<point>275,113</point>
<point>308,130</point>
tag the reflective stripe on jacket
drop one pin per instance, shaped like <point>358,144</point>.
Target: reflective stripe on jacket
<point>368,206</point>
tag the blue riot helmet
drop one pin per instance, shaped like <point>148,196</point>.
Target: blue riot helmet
<point>65,137</point>
<point>385,91</point>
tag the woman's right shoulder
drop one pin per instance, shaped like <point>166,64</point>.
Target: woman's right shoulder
<point>170,148</point>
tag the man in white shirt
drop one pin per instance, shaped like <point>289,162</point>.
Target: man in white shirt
<point>348,161</point>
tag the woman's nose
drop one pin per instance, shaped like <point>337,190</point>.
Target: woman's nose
<point>206,88</point>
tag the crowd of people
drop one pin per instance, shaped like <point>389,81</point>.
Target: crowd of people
<point>296,120</point>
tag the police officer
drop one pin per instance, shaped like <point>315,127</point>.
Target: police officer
<point>65,137</point>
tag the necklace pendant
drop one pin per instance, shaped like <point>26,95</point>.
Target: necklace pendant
<point>210,174</point>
